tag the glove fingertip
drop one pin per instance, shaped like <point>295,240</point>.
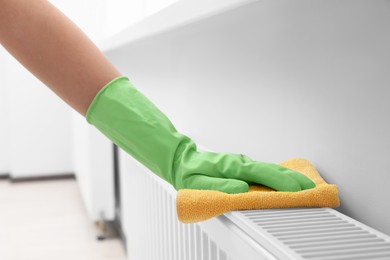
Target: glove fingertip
<point>231,186</point>
<point>293,186</point>
<point>304,181</point>
<point>236,186</point>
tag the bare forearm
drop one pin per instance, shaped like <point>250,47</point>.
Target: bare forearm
<point>48,44</point>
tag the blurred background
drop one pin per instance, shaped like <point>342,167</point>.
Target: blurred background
<point>42,139</point>
<point>269,79</point>
<point>37,129</point>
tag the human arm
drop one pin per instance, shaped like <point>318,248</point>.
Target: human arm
<point>61,56</point>
<point>55,50</point>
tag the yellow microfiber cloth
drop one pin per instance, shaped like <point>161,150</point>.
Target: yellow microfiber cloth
<point>198,205</point>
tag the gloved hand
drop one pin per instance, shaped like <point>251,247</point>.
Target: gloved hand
<point>133,123</point>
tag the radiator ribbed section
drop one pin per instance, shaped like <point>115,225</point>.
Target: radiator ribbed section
<point>154,233</point>
<point>314,233</point>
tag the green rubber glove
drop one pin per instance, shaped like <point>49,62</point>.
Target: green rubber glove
<point>136,125</point>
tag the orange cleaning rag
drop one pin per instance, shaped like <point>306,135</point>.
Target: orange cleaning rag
<point>198,205</point>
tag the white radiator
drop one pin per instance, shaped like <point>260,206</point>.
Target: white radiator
<point>153,231</point>
<point>313,233</point>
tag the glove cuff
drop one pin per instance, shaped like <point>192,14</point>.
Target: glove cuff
<point>89,114</point>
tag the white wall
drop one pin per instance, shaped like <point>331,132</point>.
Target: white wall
<point>46,137</point>
<point>153,6</point>
<point>4,148</point>
<point>122,14</point>
<point>281,79</point>
<point>38,123</point>
<point>89,15</point>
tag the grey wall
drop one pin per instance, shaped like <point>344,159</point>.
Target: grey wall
<point>281,79</point>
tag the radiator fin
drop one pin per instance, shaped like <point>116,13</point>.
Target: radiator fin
<point>154,232</point>
<point>318,233</point>
<point>168,239</point>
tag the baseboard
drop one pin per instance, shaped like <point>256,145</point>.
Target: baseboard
<point>43,178</point>
<point>4,176</point>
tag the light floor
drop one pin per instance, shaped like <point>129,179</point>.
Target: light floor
<point>46,220</point>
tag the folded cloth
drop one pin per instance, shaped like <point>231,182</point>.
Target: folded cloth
<point>198,205</point>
